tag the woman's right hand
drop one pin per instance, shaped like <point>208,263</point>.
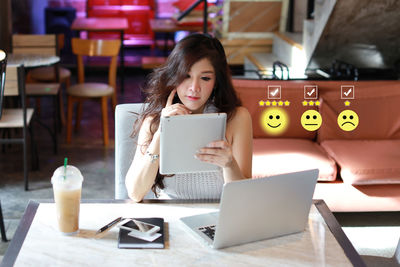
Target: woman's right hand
<point>174,109</point>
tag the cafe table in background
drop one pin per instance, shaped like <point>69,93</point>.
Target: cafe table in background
<point>32,60</point>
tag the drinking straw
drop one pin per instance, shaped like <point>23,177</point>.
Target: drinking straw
<point>65,168</point>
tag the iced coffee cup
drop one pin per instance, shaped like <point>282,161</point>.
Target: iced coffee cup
<point>67,187</point>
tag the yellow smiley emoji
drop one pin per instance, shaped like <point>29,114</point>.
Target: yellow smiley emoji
<point>311,120</point>
<point>274,121</point>
<point>347,120</point>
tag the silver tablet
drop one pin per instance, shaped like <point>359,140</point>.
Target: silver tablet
<point>182,135</point>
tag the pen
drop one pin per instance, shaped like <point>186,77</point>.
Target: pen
<point>111,224</point>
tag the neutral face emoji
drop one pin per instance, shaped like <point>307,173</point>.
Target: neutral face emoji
<point>347,120</point>
<point>274,121</point>
<point>311,120</point>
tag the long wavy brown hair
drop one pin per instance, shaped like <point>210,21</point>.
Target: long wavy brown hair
<point>164,79</point>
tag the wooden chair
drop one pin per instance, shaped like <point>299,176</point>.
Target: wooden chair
<point>52,90</point>
<point>46,74</point>
<point>18,118</point>
<point>99,91</point>
<point>47,45</point>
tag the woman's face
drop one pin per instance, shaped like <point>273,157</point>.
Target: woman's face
<point>197,87</point>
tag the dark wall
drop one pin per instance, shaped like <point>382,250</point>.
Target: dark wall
<point>28,16</point>
<point>5,25</point>
<point>21,16</point>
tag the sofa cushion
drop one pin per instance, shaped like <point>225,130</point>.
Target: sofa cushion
<point>343,197</point>
<point>251,92</point>
<point>377,106</point>
<point>277,156</point>
<point>366,162</point>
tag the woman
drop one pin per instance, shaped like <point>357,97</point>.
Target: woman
<point>195,79</point>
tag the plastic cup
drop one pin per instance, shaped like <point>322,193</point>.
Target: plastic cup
<point>67,188</point>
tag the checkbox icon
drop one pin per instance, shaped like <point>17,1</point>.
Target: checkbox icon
<point>310,91</point>
<point>274,92</point>
<point>347,92</point>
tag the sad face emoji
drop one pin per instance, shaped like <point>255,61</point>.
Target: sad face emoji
<point>347,120</point>
<point>274,121</point>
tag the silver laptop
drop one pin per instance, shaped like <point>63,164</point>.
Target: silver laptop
<point>181,136</point>
<point>257,209</point>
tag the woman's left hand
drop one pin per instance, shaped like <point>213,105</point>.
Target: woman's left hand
<point>217,152</point>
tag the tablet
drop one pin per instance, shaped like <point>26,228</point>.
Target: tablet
<point>181,136</point>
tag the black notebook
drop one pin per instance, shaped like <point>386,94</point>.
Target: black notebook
<point>126,241</point>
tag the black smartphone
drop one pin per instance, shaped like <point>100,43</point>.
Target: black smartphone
<point>176,99</point>
<point>140,227</point>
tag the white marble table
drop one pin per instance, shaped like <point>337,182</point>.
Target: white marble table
<point>38,243</point>
<point>32,60</point>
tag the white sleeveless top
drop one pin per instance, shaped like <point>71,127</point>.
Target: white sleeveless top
<point>198,185</point>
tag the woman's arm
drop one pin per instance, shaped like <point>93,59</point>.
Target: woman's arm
<point>241,130</point>
<point>143,170</point>
<point>235,154</point>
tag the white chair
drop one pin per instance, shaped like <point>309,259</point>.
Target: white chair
<point>125,145</point>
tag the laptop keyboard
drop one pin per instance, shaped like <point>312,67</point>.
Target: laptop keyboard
<point>208,231</point>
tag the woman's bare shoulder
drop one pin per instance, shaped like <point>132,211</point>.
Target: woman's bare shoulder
<point>241,119</point>
<point>241,115</point>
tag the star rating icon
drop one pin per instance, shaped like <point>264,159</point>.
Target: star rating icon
<point>347,103</point>
<point>311,103</point>
<point>268,103</point>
